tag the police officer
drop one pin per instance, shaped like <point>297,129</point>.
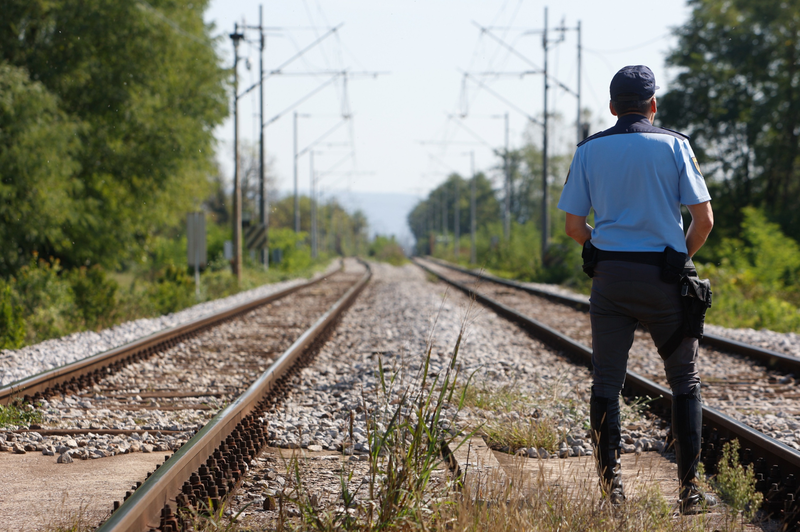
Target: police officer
<point>635,177</point>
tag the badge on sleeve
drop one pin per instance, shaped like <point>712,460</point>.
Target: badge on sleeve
<point>697,166</point>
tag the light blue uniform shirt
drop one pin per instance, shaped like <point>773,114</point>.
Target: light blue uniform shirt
<point>635,176</point>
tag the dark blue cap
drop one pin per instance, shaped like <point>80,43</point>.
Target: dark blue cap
<point>636,79</point>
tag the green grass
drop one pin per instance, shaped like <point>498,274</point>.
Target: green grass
<point>735,484</point>
<point>515,422</point>
<point>18,413</point>
<point>521,434</point>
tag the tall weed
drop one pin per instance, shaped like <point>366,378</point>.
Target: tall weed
<point>736,484</point>
<point>407,427</point>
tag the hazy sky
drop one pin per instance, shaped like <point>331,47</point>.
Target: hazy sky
<point>421,49</point>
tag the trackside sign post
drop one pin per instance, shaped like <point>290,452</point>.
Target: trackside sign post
<point>196,245</point>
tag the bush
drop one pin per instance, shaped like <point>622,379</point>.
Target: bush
<point>12,323</point>
<point>387,250</point>
<point>755,281</point>
<point>95,295</point>
<point>296,255</point>
<point>172,291</point>
<point>44,301</point>
<point>520,257</point>
<point>47,301</point>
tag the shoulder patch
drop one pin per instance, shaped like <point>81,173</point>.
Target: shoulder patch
<point>696,165</point>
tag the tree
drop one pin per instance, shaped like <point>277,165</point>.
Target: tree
<point>426,217</point>
<point>143,81</point>
<point>738,94</point>
<point>37,167</point>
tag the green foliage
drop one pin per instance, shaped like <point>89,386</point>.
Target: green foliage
<point>521,434</point>
<point>340,232</point>
<point>506,429</point>
<point>755,281</point>
<point>387,250</point>
<point>47,300</point>
<point>38,144</point>
<point>114,109</point>
<point>95,295</point>
<point>18,413</point>
<point>296,255</point>
<point>520,256</point>
<point>736,93</point>
<point>736,484</point>
<point>12,322</point>
<point>172,291</point>
<point>426,218</point>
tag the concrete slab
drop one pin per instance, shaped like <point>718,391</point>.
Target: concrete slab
<point>36,493</point>
<point>478,467</point>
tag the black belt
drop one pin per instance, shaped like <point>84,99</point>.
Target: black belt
<point>654,258</point>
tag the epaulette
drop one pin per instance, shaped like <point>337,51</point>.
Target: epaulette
<point>684,135</point>
<point>592,137</point>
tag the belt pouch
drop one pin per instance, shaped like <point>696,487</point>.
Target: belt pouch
<point>589,256</point>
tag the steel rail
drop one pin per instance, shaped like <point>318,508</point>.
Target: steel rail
<point>771,359</point>
<point>142,510</point>
<point>779,459</point>
<point>102,363</point>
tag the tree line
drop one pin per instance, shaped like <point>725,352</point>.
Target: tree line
<point>107,112</point>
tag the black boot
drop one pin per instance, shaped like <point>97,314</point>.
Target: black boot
<point>687,424</point>
<point>606,437</point>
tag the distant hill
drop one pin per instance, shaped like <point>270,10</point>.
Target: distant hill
<point>386,212</point>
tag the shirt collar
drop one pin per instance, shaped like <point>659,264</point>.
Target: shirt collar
<point>627,120</point>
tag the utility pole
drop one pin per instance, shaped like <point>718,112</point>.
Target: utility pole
<point>237,186</point>
<point>332,236</point>
<point>473,252</point>
<point>263,202</point>
<point>578,125</point>
<point>444,215</point>
<point>296,198</point>
<point>313,206</point>
<point>547,82</point>
<point>457,222</point>
<point>507,199</point>
<point>545,202</point>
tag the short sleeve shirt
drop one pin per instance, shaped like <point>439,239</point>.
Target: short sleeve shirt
<point>635,176</point>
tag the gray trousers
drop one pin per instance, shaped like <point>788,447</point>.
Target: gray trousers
<point>625,294</point>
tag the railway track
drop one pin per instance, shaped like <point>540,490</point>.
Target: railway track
<point>262,342</point>
<point>777,465</point>
<point>751,384</point>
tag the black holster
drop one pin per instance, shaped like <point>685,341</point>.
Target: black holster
<point>696,299</point>
<point>589,256</point>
